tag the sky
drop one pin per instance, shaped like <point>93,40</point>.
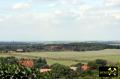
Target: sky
<point>59,20</point>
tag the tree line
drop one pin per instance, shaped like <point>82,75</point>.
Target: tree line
<point>31,47</point>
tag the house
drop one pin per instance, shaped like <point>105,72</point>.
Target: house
<point>73,68</point>
<point>11,51</point>
<point>85,67</point>
<point>19,50</point>
<point>26,62</point>
<point>47,69</point>
<point>44,70</point>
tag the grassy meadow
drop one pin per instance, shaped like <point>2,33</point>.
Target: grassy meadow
<point>70,57</point>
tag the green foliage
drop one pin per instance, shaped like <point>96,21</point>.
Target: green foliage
<point>41,62</point>
<point>10,69</point>
<point>8,60</point>
<point>101,62</point>
<point>94,65</point>
<point>30,47</point>
<point>77,65</point>
<point>46,75</point>
<point>14,71</point>
<point>91,64</point>
<point>97,63</point>
<point>59,71</point>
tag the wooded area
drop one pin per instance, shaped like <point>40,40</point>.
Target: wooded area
<point>31,47</point>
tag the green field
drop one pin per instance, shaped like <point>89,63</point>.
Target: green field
<point>70,57</point>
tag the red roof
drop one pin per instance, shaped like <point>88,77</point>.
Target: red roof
<point>85,67</point>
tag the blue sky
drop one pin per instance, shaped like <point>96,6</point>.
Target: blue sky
<point>59,20</point>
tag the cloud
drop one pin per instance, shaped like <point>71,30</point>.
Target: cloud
<point>4,17</point>
<point>21,6</point>
<point>116,15</point>
<point>42,26</point>
<point>112,2</point>
<point>85,9</point>
<point>62,20</point>
<point>1,19</point>
<point>54,3</point>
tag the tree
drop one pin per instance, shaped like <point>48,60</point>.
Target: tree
<point>77,65</point>
<point>15,71</point>
<point>9,60</point>
<point>101,62</point>
<point>39,63</point>
<point>61,71</point>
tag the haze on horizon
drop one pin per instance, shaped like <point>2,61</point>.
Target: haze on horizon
<point>62,20</point>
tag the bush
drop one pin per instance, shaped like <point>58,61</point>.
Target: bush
<point>97,63</point>
<point>101,62</point>
<point>59,71</point>
<point>92,64</point>
<point>8,60</point>
<point>14,71</point>
<point>40,63</point>
<point>77,65</point>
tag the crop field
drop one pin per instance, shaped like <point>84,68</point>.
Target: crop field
<point>70,57</point>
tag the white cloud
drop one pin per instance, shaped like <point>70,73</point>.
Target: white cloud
<point>21,6</point>
<point>52,4</point>
<point>1,19</point>
<point>116,15</point>
<point>70,2</point>
<point>84,9</point>
<point>4,17</point>
<point>112,2</point>
<point>66,19</point>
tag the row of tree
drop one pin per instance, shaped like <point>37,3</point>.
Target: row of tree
<point>30,47</point>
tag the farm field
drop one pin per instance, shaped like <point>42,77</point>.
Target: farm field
<point>70,57</point>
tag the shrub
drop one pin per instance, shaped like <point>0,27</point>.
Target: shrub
<point>8,60</point>
<point>16,71</point>
<point>101,62</point>
<point>40,63</point>
<point>77,65</point>
<point>92,64</point>
<point>97,63</point>
<point>61,71</point>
